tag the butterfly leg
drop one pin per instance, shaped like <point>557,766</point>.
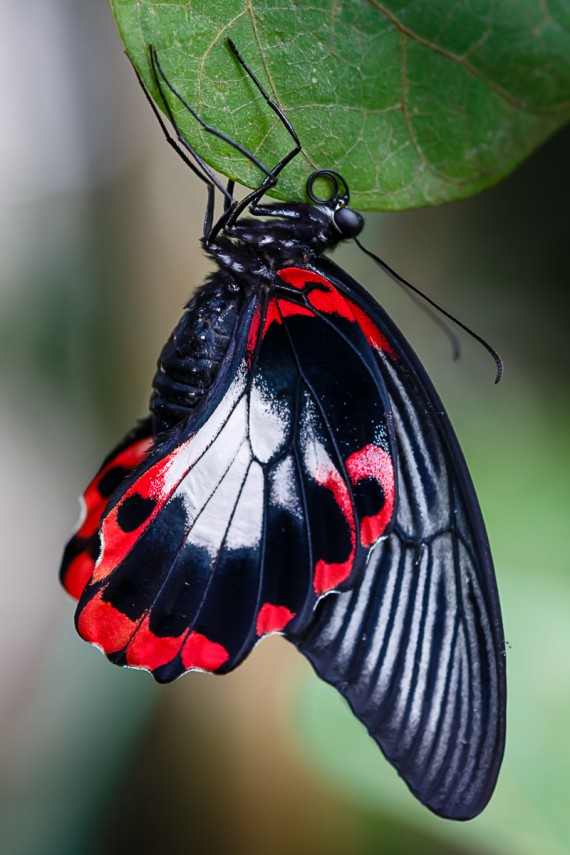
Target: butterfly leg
<point>230,215</point>
<point>208,178</point>
<point>159,72</point>
<point>232,208</point>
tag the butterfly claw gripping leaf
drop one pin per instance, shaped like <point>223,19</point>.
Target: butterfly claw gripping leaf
<point>297,474</point>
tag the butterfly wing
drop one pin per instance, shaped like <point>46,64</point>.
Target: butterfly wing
<point>268,496</point>
<point>417,646</point>
<point>82,549</point>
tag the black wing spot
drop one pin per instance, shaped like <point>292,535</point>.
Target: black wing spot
<point>94,547</point>
<point>134,511</point>
<point>331,533</point>
<point>111,480</point>
<point>369,496</point>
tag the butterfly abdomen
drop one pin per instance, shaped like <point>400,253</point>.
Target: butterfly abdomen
<point>194,352</point>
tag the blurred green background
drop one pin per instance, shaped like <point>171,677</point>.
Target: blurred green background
<point>99,228</point>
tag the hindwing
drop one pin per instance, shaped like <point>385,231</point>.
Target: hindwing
<point>417,647</point>
<point>269,496</point>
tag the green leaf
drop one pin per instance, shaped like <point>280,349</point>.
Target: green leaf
<point>417,102</point>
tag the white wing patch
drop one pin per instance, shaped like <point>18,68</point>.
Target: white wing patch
<point>193,449</point>
<point>283,493</point>
<point>269,424</point>
<point>209,527</point>
<point>247,523</point>
<point>315,456</point>
<point>209,470</point>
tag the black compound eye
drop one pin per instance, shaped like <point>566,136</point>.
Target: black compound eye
<point>349,223</point>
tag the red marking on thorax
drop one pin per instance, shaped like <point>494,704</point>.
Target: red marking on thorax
<point>373,462</point>
<point>273,618</point>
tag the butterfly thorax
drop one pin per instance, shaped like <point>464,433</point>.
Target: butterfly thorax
<point>248,255</point>
<point>254,249</point>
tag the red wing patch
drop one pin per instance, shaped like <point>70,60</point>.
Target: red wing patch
<point>373,462</point>
<point>83,548</point>
<point>328,575</point>
<point>199,653</point>
<point>373,335</point>
<point>136,510</point>
<point>273,618</point>
<point>150,651</point>
<point>79,570</point>
<point>100,620</point>
<point>325,298</point>
<point>279,309</point>
<point>102,624</point>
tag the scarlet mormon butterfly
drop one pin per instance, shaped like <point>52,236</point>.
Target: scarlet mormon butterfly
<point>297,474</point>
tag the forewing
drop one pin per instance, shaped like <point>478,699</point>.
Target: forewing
<point>417,646</point>
<point>82,549</point>
<point>270,495</point>
<point>164,544</point>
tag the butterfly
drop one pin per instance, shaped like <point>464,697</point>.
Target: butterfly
<point>297,474</point>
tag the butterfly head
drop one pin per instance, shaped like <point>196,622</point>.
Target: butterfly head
<point>347,222</point>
